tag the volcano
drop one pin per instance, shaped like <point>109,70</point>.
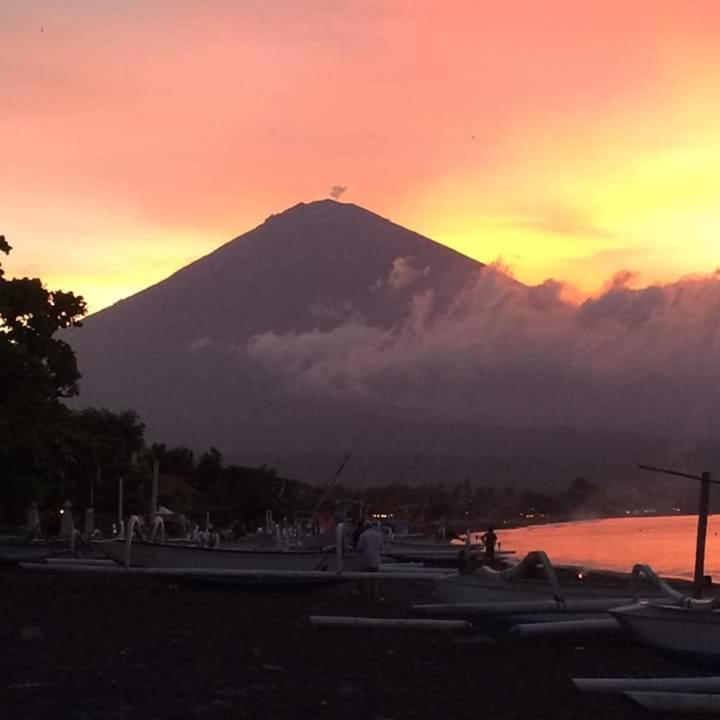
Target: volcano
<point>176,353</point>
<point>329,327</point>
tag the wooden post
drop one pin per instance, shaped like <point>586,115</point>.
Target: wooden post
<point>339,532</point>
<point>155,482</point>
<point>89,523</point>
<point>33,517</point>
<point>67,527</point>
<point>120,503</point>
<point>702,533</point>
<point>94,479</point>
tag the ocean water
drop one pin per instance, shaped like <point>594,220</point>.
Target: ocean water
<point>667,544</point>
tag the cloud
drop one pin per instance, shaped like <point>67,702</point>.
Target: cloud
<point>336,191</point>
<point>200,343</point>
<point>507,354</point>
<point>621,279</point>
<point>404,272</point>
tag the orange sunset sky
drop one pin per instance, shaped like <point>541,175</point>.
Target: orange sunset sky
<point>573,139</point>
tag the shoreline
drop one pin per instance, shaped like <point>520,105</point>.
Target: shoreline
<point>553,523</point>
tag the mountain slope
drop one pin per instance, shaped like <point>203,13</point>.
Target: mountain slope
<point>328,325</point>
<point>299,270</point>
<point>176,352</point>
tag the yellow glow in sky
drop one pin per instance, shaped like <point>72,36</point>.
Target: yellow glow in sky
<point>572,140</point>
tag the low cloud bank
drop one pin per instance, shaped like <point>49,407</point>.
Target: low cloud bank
<point>506,354</point>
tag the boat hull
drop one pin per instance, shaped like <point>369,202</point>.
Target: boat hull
<point>479,588</point>
<point>12,553</point>
<point>475,589</point>
<point>160,555</point>
<point>673,629</point>
<point>445,557</point>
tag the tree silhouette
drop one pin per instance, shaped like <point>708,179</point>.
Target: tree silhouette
<point>38,370</point>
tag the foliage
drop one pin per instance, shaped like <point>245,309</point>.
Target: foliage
<point>98,446</point>
<point>178,461</point>
<point>49,451</point>
<point>38,370</point>
<point>208,471</point>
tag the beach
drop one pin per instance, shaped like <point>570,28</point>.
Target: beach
<point>115,648</point>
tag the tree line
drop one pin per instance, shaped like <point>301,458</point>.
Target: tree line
<point>51,453</point>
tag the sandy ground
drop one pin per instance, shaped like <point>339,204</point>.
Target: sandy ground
<point>118,648</point>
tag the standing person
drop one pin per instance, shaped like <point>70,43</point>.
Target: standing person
<point>370,545</point>
<point>357,532</point>
<point>489,539</point>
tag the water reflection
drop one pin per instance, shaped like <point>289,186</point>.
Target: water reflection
<point>667,544</point>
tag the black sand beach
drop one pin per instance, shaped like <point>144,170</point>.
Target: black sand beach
<point>115,648</point>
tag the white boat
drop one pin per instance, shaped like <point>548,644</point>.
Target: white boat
<point>535,579</point>
<point>12,553</point>
<point>168,555</point>
<point>17,550</point>
<point>673,628</point>
<point>268,541</point>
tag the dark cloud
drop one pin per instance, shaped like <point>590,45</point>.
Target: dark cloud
<point>634,307</point>
<point>336,191</point>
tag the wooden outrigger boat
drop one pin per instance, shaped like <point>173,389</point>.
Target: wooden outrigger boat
<point>686,625</point>
<point>170,555</point>
<point>215,564</point>
<point>673,628</point>
<point>510,594</point>
<point>440,556</point>
<point>14,552</point>
<point>17,549</point>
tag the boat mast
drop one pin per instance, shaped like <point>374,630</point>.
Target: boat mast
<point>703,510</point>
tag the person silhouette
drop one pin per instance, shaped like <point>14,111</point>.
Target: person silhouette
<point>489,539</point>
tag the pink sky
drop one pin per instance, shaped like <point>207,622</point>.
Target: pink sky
<point>571,139</point>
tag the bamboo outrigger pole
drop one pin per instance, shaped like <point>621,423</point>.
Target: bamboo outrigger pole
<point>703,510</point>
